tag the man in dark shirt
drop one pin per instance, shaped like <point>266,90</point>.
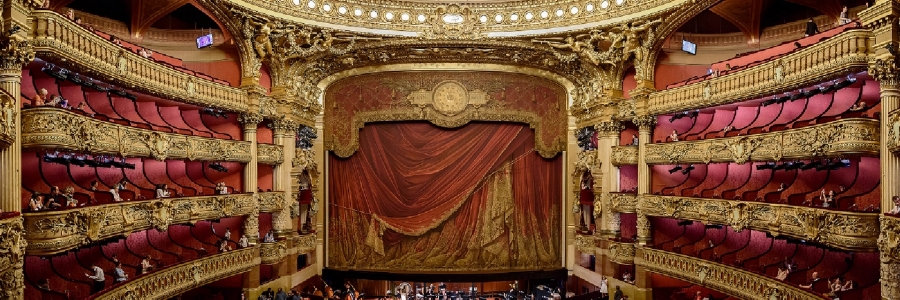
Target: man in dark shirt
<point>811,28</point>
<point>618,294</point>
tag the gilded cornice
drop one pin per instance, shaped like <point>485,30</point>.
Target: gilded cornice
<point>459,21</point>
<point>47,127</point>
<point>844,53</point>
<point>846,230</point>
<point>60,40</point>
<point>284,126</point>
<point>855,136</point>
<point>53,232</point>
<point>270,154</point>
<point>621,253</point>
<point>271,201</point>
<point>730,280</point>
<point>273,253</point>
<point>177,279</point>
<point>624,155</point>
<point>623,202</point>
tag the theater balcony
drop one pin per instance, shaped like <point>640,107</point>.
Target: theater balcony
<point>845,137</point>
<point>61,41</point>
<point>624,155</point>
<point>842,54</point>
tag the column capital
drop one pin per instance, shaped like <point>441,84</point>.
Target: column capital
<point>250,120</point>
<point>645,122</point>
<point>609,127</point>
<point>15,53</point>
<point>284,126</point>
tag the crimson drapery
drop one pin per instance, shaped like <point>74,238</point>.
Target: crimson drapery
<point>465,198</point>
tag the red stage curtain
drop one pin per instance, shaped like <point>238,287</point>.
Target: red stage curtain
<point>418,193</point>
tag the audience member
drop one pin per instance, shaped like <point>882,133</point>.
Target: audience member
<point>119,274</point>
<point>604,288</point>
<point>162,191</point>
<point>227,233</point>
<point>36,203</point>
<point>244,242</point>
<point>627,277</point>
<point>44,284</point>
<point>39,98</point>
<point>145,53</point>
<point>78,21</point>
<point>50,202</point>
<point>115,40</point>
<point>634,140</point>
<point>70,14</point>
<point>281,295</point>
<point>46,4</point>
<point>698,296</point>
<point>859,106</point>
<point>674,136</point>
<point>223,246</point>
<point>70,197</point>
<point>812,280</point>
<point>99,280</point>
<point>811,28</point>
<point>844,18</point>
<point>221,188</point>
<point>827,199</point>
<point>790,265</point>
<point>618,294</point>
<point>270,237</point>
<point>146,266</point>
<point>782,274</point>
<point>896,209</point>
<point>94,185</point>
<point>781,187</point>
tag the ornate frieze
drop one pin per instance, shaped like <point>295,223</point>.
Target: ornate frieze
<point>270,154</point>
<point>48,127</point>
<point>730,280</point>
<point>621,253</point>
<point>624,155</point>
<point>847,230</point>
<point>623,202</point>
<point>60,40</point>
<point>271,201</point>
<point>177,279</point>
<point>272,253</point>
<point>305,243</point>
<point>52,232</point>
<point>855,136</point>
<point>585,243</point>
<point>844,53</point>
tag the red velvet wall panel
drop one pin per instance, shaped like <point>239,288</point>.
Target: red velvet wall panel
<point>627,135</point>
<point>627,178</point>
<point>628,225</point>
<point>629,83</point>
<point>265,177</point>
<point>227,70</point>
<point>264,134</point>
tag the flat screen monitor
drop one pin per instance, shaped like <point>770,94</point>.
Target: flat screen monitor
<point>204,41</point>
<point>688,47</point>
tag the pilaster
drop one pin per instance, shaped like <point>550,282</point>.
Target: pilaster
<point>607,137</point>
<point>284,130</point>
<point>645,125</point>
<point>250,122</point>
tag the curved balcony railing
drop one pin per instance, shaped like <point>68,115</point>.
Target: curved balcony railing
<point>270,154</point>
<point>52,232</point>
<point>621,253</point>
<point>844,53</point>
<point>58,38</point>
<point>624,155</point>
<point>846,230</point>
<point>271,201</point>
<point>47,127</point>
<point>730,280</point>
<point>856,136</point>
<point>623,202</point>
<point>273,253</point>
<point>177,279</point>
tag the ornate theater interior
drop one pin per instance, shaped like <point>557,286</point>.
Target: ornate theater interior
<point>437,150</point>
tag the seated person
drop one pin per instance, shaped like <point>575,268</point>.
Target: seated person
<point>844,18</point>
<point>859,106</point>
<point>145,53</point>
<point>94,185</point>
<point>223,246</point>
<point>782,274</point>
<point>70,14</point>
<point>634,140</point>
<point>115,40</point>
<point>146,265</point>
<point>674,136</point>
<point>44,284</point>
<point>50,200</point>
<point>812,280</point>
<point>827,199</point>
<point>36,203</point>
<point>70,197</point>
<point>221,189</point>
<point>162,191</point>
<point>39,98</point>
<point>896,209</point>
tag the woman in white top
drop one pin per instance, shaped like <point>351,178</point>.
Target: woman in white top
<point>604,288</point>
<point>36,203</point>
<point>162,191</point>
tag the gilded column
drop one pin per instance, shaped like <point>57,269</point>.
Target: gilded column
<point>284,130</point>
<point>645,128</point>
<point>884,66</point>
<point>607,138</point>
<point>250,122</point>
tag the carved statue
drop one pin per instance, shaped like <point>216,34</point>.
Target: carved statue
<point>261,42</point>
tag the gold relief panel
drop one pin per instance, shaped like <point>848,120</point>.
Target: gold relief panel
<point>53,232</point>
<point>47,127</point>
<point>889,239</point>
<point>585,243</point>
<point>621,253</point>
<point>843,137</point>
<point>180,278</point>
<point>846,230</point>
<point>844,53</point>
<point>623,202</point>
<point>893,141</point>
<point>624,155</point>
<point>272,253</point>
<point>732,281</point>
<point>305,243</point>
<point>12,244</point>
<point>271,201</point>
<point>8,112</point>
<point>61,40</point>
<point>270,154</point>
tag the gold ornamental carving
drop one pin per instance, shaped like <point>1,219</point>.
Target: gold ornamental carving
<point>305,243</point>
<point>186,276</point>
<point>12,244</point>
<point>889,240</point>
<point>585,243</point>
<point>623,203</point>
<point>621,253</point>
<point>60,40</point>
<point>270,154</point>
<point>449,98</point>
<point>854,136</point>
<point>271,201</point>
<point>624,155</point>
<point>893,121</point>
<point>48,127</point>
<point>8,123</point>
<point>730,280</point>
<point>272,253</point>
<point>844,53</point>
<point>853,231</point>
<point>55,232</point>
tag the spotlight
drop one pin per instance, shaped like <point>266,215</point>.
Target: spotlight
<point>218,167</point>
<point>713,226</point>
<point>687,170</point>
<point>812,92</point>
<point>766,166</point>
<point>675,169</point>
<point>685,223</point>
<point>794,165</point>
<point>811,165</point>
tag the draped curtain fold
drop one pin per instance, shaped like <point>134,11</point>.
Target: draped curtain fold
<point>426,197</point>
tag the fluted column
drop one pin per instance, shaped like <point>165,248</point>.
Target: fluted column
<point>645,129</point>
<point>250,121</point>
<point>284,131</point>
<point>607,137</point>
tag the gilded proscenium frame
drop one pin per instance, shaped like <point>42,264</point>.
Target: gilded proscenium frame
<point>47,127</point>
<point>470,13</point>
<point>854,136</point>
<point>177,279</point>
<point>60,40</point>
<point>624,155</point>
<point>620,253</point>
<point>271,201</point>
<point>730,280</point>
<point>53,232</point>
<point>842,54</point>
<point>853,231</point>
